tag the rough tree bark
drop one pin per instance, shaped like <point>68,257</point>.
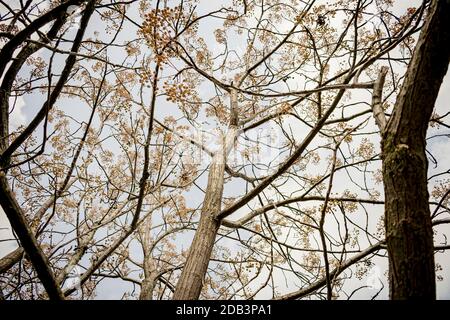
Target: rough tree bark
<point>190,283</point>
<point>409,233</point>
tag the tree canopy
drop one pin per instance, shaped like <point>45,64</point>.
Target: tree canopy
<point>185,149</point>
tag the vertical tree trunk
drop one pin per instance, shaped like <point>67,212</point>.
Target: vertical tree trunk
<point>148,265</point>
<point>190,283</point>
<point>409,233</point>
<point>148,285</point>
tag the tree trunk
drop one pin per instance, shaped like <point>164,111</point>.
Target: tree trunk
<point>148,265</point>
<point>147,286</point>
<point>190,283</point>
<point>409,233</point>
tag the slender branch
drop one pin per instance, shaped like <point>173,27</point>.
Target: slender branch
<point>377,108</point>
<point>28,241</point>
<point>323,281</point>
<point>287,164</point>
